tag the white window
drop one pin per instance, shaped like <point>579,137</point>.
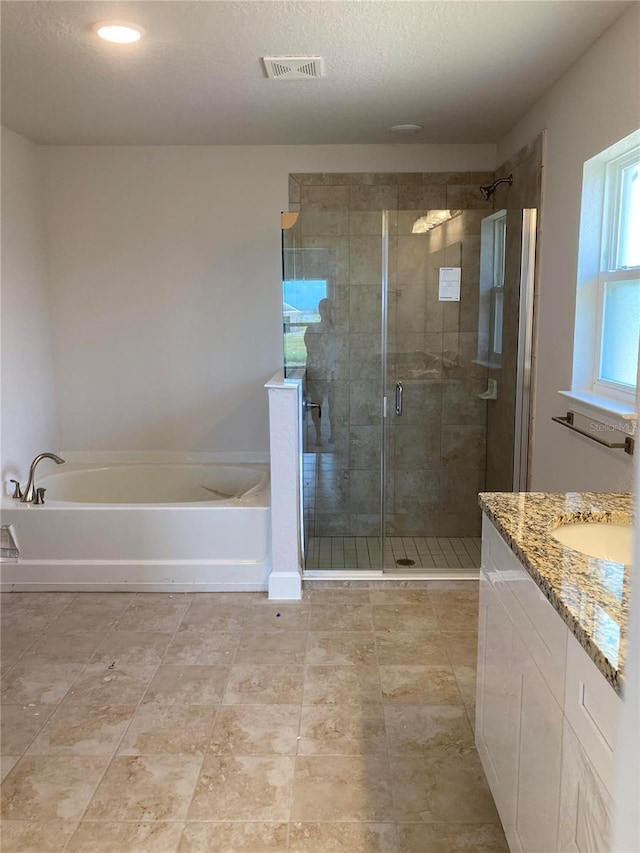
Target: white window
<point>607,327</point>
<point>618,328</point>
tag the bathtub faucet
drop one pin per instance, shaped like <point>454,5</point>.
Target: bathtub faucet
<point>30,491</point>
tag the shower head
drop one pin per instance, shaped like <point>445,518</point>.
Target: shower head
<point>488,190</point>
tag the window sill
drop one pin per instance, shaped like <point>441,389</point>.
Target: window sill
<point>591,405</point>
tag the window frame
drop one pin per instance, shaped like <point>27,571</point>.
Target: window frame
<point>610,270</point>
<point>588,396</point>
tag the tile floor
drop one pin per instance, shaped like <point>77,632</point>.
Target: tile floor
<point>224,722</point>
<point>446,554</point>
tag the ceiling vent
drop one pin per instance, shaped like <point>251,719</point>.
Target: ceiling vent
<point>292,67</point>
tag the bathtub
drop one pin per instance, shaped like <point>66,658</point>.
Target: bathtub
<point>152,526</point>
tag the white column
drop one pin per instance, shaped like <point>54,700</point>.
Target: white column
<point>285,401</point>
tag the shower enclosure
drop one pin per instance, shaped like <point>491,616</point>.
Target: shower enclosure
<point>412,328</point>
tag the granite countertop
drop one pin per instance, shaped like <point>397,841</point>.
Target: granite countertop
<point>591,595</point>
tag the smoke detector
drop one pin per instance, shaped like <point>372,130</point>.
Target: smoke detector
<point>293,67</point>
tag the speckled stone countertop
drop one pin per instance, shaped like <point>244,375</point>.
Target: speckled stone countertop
<point>591,595</point>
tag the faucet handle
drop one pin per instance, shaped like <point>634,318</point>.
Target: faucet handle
<point>17,492</point>
<point>39,498</point>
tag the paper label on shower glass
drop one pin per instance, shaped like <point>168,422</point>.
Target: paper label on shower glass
<point>449,284</point>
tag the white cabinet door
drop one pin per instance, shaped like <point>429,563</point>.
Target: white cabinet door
<point>498,703</point>
<point>593,709</point>
<point>585,806</point>
<point>539,764</point>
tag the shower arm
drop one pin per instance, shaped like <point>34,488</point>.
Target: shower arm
<point>489,189</point>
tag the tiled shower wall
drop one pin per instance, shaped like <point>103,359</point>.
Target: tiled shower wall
<point>436,450</point>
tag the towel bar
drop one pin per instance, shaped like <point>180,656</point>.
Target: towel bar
<point>627,445</point>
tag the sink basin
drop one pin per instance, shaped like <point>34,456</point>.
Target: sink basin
<point>598,539</point>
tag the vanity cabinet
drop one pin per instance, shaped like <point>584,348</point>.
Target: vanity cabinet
<point>545,716</point>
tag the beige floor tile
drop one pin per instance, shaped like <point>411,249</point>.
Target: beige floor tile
<point>441,787</point>
<point>272,647</point>
<point>19,724</point>
<point>466,678</point>
<point>33,611</point>
<point>126,837</point>
<point>92,612</point>
<point>236,837</point>
<point>264,685</point>
<point>78,729</point>
<point>462,647</point>
<point>133,648</point>
<point>454,592</point>
<point>50,787</point>
<point>337,730</point>
<point>225,695</point>
<point>451,838</point>
<point>419,729</point>
<point>7,762</point>
<point>411,648</point>
<point>343,838</point>
<point>429,685</point>
<point>341,617</point>
<point>208,615</point>
<point>243,788</point>
<point>398,596</point>
<point>187,685</point>
<point>456,611</point>
<point>168,730</point>
<point>220,600</point>
<point>116,602</point>
<point>256,730</point>
<point>340,596</point>
<point>37,681</point>
<point>71,647</point>
<point>36,836</point>
<point>154,613</point>
<point>271,616</point>
<point>404,617</point>
<point>14,642</point>
<point>192,647</point>
<point>51,602</point>
<point>89,621</point>
<point>145,787</point>
<point>100,685</point>
<point>341,685</point>
<point>342,787</point>
<point>341,649</point>
<point>463,619</point>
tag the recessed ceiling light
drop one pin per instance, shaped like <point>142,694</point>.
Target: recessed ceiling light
<point>118,31</point>
<point>406,129</point>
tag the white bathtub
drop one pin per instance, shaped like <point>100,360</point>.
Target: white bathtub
<point>143,526</point>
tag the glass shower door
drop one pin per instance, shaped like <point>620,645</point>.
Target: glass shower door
<point>436,423</point>
<point>458,358</point>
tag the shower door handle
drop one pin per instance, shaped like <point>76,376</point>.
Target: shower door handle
<point>308,405</point>
<point>399,393</point>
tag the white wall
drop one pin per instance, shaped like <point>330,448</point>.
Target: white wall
<point>29,424</point>
<point>165,284</point>
<point>596,103</point>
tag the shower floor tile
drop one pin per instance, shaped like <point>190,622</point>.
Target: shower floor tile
<point>362,552</point>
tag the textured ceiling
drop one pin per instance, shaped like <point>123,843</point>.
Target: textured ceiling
<point>467,71</point>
